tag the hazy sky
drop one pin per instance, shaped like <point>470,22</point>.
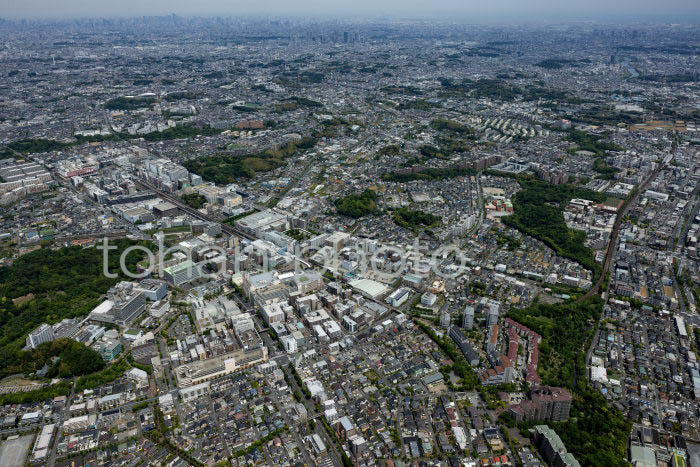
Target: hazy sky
<point>493,9</point>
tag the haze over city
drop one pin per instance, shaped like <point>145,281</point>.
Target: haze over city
<point>461,10</point>
<point>373,233</point>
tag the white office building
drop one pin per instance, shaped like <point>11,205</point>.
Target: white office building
<point>43,333</point>
<point>468,319</point>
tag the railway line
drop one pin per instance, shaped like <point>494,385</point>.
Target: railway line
<point>194,212</point>
<point>612,244</point>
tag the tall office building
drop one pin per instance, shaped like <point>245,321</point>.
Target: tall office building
<point>182,273</point>
<point>468,319</point>
<point>128,302</point>
<point>493,313</point>
<point>445,319</point>
<point>154,290</point>
<point>464,345</point>
<point>43,333</point>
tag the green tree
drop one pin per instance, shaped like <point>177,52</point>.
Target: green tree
<point>357,205</point>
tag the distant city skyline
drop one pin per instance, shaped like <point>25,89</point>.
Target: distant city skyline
<point>460,10</point>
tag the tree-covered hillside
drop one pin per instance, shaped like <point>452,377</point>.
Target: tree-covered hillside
<point>48,285</point>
